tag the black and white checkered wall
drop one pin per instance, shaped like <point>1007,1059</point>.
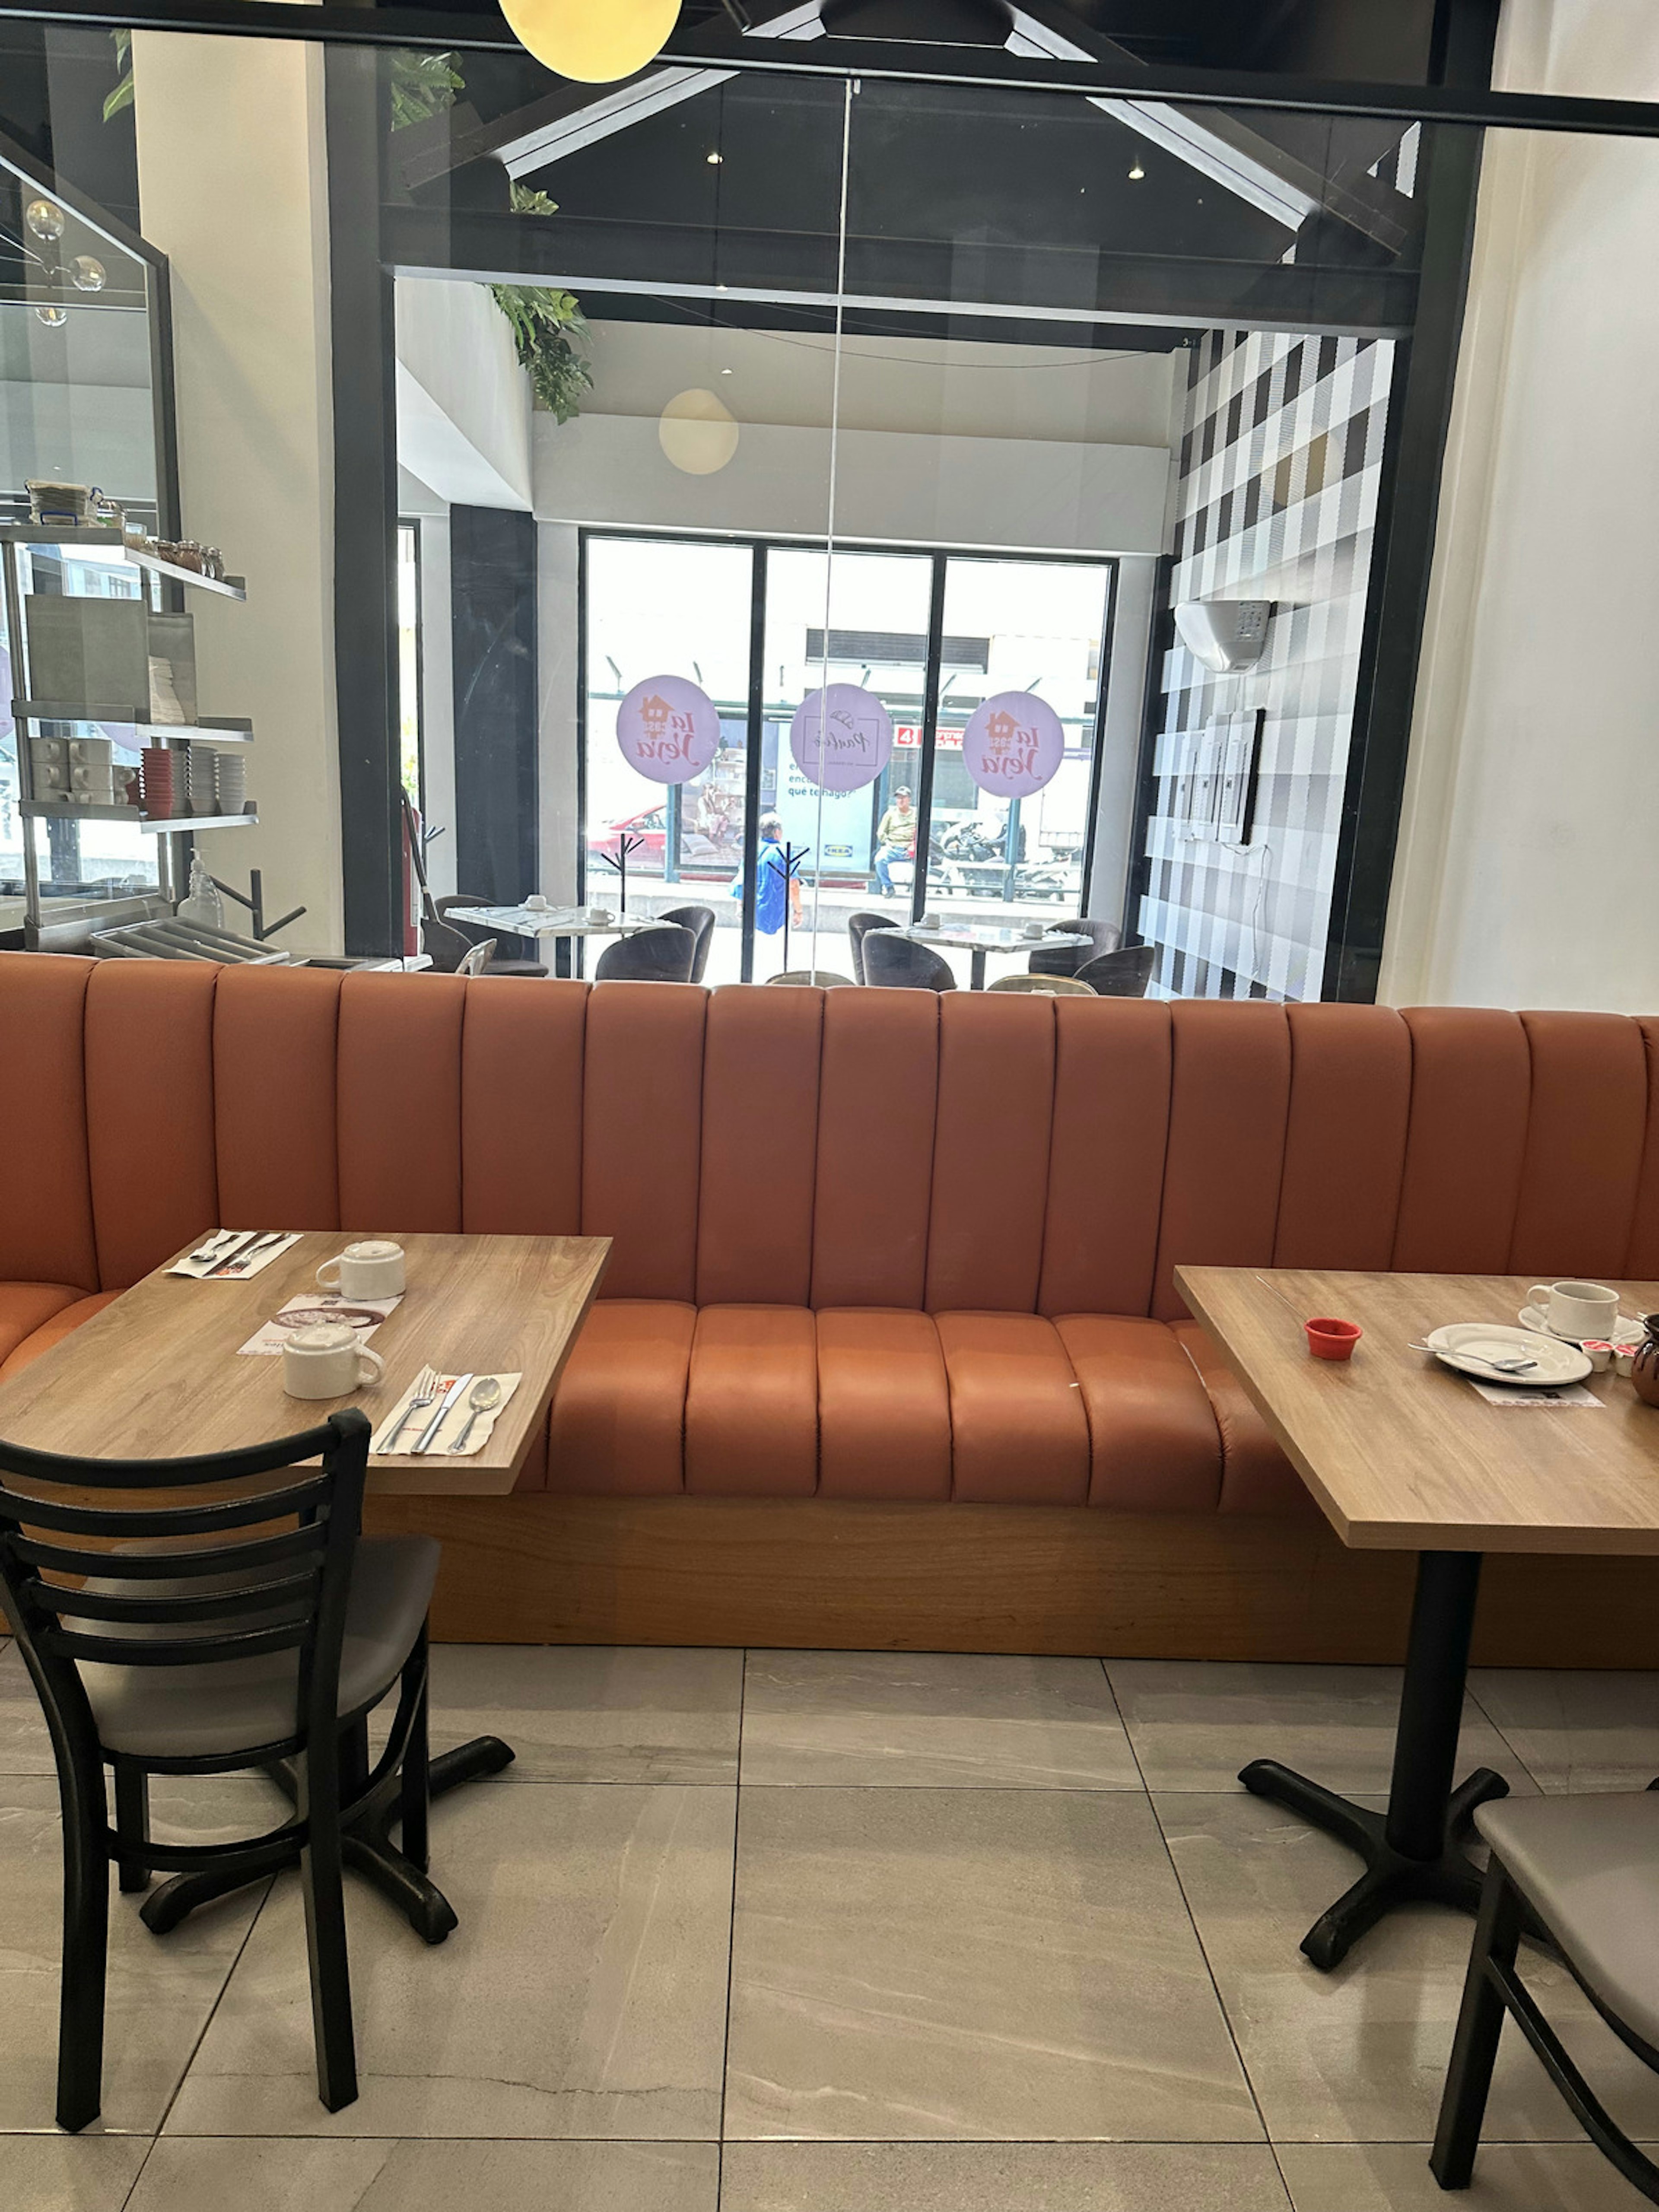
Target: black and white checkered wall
<point>1276,500</point>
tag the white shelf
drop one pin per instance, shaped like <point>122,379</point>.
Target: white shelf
<point>160,825</point>
<point>107,549</point>
<point>212,729</point>
<point>165,825</point>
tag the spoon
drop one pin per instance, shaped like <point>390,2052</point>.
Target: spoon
<point>485,1394</point>
<point>1498,1366</point>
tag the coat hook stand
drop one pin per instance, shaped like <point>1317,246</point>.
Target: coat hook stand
<point>627,844</point>
<point>254,903</point>
<point>791,856</point>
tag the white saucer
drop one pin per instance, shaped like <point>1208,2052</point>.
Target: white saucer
<point>1626,1329</point>
<point>1468,1345</point>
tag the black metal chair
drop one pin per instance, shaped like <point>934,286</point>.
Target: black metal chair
<point>700,920</point>
<point>858,927</point>
<point>250,1631</point>
<point>664,953</point>
<point>1585,1870</point>
<point>1068,959</point>
<point>896,962</point>
<point>452,917</point>
<point>1124,974</point>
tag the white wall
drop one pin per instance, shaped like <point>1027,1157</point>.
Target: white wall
<point>892,486</point>
<point>1121,733</point>
<point>463,401</point>
<point>556,662</point>
<point>232,189</point>
<point>1529,865</point>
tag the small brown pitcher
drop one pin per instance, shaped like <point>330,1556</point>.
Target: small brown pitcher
<point>1644,1368</point>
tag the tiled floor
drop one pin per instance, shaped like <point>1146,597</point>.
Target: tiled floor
<point>801,1932</point>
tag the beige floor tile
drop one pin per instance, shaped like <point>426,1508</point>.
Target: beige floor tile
<point>69,2174</point>
<point>583,1994</point>
<point>932,1719</point>
<point>1360,2055</point>
<point>1576,1729</point>
<point>819,2177</point>
<point>1195,1722</point>
<point>210,2174</point>
<point>951,1963</point>
<point>160,1992</point>
<point>586,1713</point>
<point>1508,2178</point>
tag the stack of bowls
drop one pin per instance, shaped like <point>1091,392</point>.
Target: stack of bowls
<point>231,783</point>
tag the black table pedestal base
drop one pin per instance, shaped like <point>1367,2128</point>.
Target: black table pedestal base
<point>366,1846</point>
<point>1390,1878</point>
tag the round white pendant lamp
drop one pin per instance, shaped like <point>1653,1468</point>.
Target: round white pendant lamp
<point>593,41</point>
<point>697,434</point>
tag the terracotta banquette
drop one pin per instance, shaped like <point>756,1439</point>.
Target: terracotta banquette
<point>869,1245</point>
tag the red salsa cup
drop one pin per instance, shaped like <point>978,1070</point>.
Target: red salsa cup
<point>1331,1340</point>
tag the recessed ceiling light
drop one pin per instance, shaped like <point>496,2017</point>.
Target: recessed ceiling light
<point>726,372</point>
<point>1136,174</point>
<point>715,160</point>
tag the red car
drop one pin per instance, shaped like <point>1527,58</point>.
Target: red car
<point>651,825</point>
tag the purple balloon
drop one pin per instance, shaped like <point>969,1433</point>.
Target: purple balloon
<point>1013,744</point>
<point>668,728</point>
<point>842,736</point>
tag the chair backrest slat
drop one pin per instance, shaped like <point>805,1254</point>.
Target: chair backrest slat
<point>292,1594</point>
<point>159,1520</point>
<point>171,1651</point>
<point>305,1542</point>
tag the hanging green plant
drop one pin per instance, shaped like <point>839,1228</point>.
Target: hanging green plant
<point>421,85</point>
<point>549,330</point>
<point>122,96</point>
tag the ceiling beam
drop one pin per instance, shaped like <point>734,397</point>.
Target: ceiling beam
<point>920,276</point>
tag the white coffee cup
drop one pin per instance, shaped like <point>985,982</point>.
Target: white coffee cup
<point>326,1360</point>
<point>536,903</point>
<point>373,1269</point>
<point>1575,1310</point>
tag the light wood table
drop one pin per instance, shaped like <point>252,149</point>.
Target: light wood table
<point>158,1374</point>
<point>1403,1453</point>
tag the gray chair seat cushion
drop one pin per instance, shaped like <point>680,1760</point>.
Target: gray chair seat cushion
<point>1589,1867</point>
<point>237,1704</point>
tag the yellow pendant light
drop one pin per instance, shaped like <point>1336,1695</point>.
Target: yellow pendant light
<point>594,42</point>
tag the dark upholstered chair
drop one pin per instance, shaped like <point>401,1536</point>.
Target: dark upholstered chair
<point>253,1629</point>
<point>1124,974</point>
<point>1586,1870</point>
<point>819,979</point>
<point>899,962</point>
<point>1067,959</point>
<point>858,927</point>
<point>664,953</point>
<point>700,920</point>
<point>452,924</point>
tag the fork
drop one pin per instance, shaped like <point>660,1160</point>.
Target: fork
<point>426,1389</point>
<point>246,1258</point>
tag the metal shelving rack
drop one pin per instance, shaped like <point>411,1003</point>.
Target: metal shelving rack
<point>107,549</point>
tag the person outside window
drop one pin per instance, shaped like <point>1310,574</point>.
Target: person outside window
<point>896,837</point>
<point>773,883</point>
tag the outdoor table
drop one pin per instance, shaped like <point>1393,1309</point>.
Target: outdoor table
<point>981,938</point>
<point>560,923</point>
<point>1401,1453</point>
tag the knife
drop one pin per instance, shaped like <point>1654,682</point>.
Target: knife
<point>243,1260</point>
<point>424,1439</point>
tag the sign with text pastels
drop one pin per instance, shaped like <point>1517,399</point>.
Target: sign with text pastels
<point>842,736</point>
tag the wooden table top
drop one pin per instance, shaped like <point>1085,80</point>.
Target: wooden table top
<point>158,1374</point>
<point>1403,1453</point>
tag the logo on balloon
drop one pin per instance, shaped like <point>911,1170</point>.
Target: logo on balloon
<point>842,736</point>
<point>668,728</point>
<point>1013,745</point>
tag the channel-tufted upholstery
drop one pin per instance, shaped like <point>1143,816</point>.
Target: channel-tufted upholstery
<point>868,1244</point>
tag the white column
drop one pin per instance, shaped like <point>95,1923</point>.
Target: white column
<point>233,188</point>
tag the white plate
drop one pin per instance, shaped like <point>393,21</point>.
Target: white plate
<point>1625,1330</point>
<point>1468,1345</point>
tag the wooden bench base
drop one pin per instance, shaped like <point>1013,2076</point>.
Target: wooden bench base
<point>834,1575</point>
